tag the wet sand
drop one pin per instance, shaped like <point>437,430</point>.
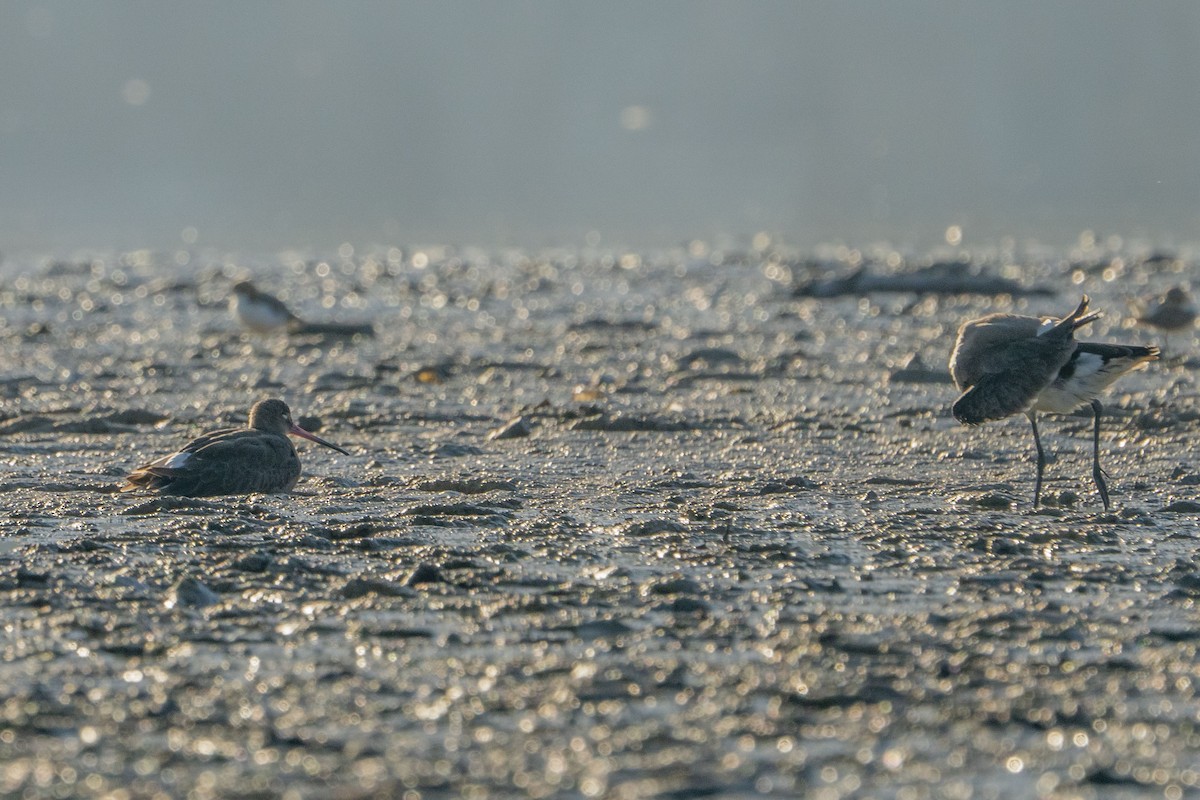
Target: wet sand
<point>614,525</point>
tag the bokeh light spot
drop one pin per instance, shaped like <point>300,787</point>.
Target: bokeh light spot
<point>635,118</point>
<point>135,92</point>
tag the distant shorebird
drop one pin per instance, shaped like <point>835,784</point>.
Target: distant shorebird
<point>264,313</point>
<point>259,311</point>
<point>1006,363</point>
<point>257,458</point>
<point>1174,311</point>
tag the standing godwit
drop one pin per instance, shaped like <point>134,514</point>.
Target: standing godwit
<point>1005,363</point>
<point>257,458</point>
<point>259,311</point>
<point>263,313</point>
<point>1173,311</point>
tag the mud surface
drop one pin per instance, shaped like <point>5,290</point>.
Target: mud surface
<point>615,525</point>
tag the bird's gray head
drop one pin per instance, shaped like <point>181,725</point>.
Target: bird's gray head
<point>272,416</point>
<point>245,289</point>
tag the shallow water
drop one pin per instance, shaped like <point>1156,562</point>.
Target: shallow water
<point>733,556</point>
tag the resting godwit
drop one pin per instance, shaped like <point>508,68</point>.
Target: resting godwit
<point>1173,311</point>
<point>257,458</point>
<point>1006,363</point>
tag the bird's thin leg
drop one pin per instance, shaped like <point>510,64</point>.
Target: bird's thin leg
<point>1041,459</point>
<point>1097,473</point>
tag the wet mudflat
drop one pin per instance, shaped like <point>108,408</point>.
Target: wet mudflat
<point>615,525</point>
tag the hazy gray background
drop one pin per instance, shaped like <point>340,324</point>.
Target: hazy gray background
<point>266,124</point>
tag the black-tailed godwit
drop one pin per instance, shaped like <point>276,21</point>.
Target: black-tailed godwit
<point>257,458</point>
<point>1008,363</point>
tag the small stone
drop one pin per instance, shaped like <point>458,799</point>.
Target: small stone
<point>1183,507</point>
<point>191,593</point>
<point>994,501</point>
<point>689,605</point>
<point>27,578</point>
<point>515,428</point>
<point>361,587</point>
<point>253,562</point>
<point>425,573</point>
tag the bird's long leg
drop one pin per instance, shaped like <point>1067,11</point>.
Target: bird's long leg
<point>1097,473</point>
<point>1041,459</point>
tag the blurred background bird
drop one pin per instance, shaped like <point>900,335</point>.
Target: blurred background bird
<point>1171,312</point>
<point>261,312</point>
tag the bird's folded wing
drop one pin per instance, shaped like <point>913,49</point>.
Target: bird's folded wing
<point>238,446</point>
<point>998,395</point>
<point>1040,358</point>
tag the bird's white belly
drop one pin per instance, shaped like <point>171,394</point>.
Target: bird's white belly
<point>1088,381</point>
<point>1054,400</point>
<point>258,316</point>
